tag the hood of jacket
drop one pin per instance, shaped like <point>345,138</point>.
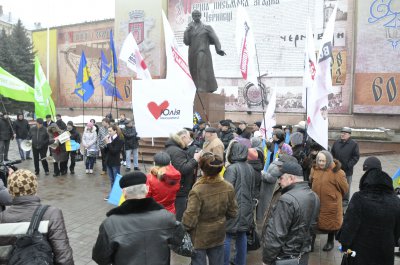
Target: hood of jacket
<point>236,152</point>
<point>376,179</point>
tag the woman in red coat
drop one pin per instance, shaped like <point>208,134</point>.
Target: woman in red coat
<point>163,181</point>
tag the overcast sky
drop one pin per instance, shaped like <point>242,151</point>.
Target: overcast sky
<point>58,12</point>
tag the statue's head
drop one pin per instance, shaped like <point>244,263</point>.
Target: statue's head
<point>196,15</point>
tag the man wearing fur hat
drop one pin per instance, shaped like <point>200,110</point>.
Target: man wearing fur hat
<point>138,231</point>
<point>23,185</point>
<point>347,152</point>
<point>181,160</point>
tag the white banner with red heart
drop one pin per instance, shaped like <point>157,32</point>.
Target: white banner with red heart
<point>161,107</point>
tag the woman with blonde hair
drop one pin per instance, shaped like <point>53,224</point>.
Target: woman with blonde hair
<point>330,184</point>
<point>163,181</point>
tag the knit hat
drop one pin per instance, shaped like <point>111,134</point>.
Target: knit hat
<point>132,179</point>
<point>296,138</point>
<point>258,123</point>
<point>70,123</point>
<point>292,168</point>
<point>225,123</point>
<point>372,162</point>
<point>162,159</point>
<point>301,125</point>
<point>256,141</point>
<point>22,183</point>
<point>89,125</point>
<point>346,130</point>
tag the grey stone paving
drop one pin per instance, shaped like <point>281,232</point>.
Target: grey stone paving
<point>80,197</point>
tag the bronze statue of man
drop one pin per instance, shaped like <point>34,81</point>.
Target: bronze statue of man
<point>199,37</point>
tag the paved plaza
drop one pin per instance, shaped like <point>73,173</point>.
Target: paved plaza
<point>80,197</point>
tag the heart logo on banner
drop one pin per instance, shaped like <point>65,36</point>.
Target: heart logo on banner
<point>156,110</point>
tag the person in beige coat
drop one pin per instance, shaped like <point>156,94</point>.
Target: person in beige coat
<point>212,143</point>
<point>211,202</point>
<point>330,184</point>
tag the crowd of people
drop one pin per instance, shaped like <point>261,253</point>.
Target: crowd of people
<point>220,185</point>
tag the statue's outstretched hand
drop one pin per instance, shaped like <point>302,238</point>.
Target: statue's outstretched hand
<point>221,52</point>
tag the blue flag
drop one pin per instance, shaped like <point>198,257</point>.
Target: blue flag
<point>107,78</point>
<point>84,85</point>
<point>396,179</point>
<point>114,61</point>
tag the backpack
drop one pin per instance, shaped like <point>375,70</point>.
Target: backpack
<point>32,248</point>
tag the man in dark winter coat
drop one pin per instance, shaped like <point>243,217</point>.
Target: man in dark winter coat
<point>60,123</point>
<point>242,177</point>
<point>138,231</point>
<point>6,135</point>
<point>131,145</point>
<point>347,152</point>
<point>76,136</point>
<point>180,159</point>
<point>40,140</point>
<point>226,134</point>
<point>21,130</point>
<point>371,226</point>
<point>48,121</point>
<point>289,228</point>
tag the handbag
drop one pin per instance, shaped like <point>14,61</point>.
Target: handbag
<point>347,258</point>
<point>78,156</point>
<point>181,243</point>
<point>253,239</point>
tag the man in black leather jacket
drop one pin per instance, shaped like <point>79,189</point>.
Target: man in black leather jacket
<point>289,228</point>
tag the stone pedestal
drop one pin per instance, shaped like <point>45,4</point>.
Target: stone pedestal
<point>214,105</point>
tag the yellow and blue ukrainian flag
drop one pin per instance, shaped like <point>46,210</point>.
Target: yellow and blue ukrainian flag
<point>396,179</point>
<point>84,87</point>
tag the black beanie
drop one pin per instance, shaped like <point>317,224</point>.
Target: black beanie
<point>372,162</point>
<point>162,159</point>
<point>132,179</point>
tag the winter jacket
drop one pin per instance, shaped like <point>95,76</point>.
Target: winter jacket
<point>330,185</point>
<point>59,153</point>
<point>164,190</point>
<point>61,124</point>
<point>21,129</point>
<point>22,210</point>
<point>347,152</point>
<point>215,146</point>
<point>6,132</point>
<point>39,137</point>
<point>258,165</point>
<point>226,137</point>
<point>89,139</point>
<point>103,132</point>
<point>181,160</point>
<point>130,138</point>
<point>241,175</point>
<point>269,179</point>
<point>112,151</point>
<point>371,226</point>
<point>75,135</point>
<point>289,228</point>
<point>5,196</point>
<point>137,232</point>
<point>211,202</point>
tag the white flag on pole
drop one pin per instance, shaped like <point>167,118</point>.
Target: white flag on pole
<point>246,46</point>
<point>130,54</point>
<point>310,64</point>
<point>269,116</point>
<point>177,67</point>
<point>317,105</point>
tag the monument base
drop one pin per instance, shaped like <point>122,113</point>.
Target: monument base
<point>214,106</point>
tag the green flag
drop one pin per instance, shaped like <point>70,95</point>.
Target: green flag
<point>12,87</point>
<point>44,104</point>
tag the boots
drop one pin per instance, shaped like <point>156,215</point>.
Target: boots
<point>329,244</point>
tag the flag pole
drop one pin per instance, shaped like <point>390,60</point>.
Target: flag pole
<point>201,103</point>
<point>262,92</point>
